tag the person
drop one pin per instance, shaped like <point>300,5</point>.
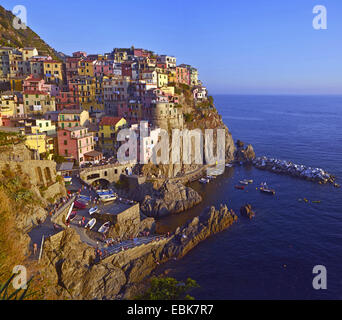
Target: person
<point>35,249</point>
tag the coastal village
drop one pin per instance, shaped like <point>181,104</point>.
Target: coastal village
<point>59,124</point>
<point>73,109</point>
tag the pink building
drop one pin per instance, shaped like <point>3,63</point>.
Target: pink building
<point>182,75</point>
<point>75,143</point>
<point>104,68</point>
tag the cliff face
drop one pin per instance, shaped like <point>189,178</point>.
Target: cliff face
<point>68,264</point>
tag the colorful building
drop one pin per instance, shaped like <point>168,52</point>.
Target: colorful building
<point>108,128</point>
<point>54,71</point>
<point>75,143</point>
<point>73,118</point>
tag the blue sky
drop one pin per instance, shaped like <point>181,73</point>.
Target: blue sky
<point>239,47</point>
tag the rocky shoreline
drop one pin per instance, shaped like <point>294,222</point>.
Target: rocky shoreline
<point>300,171</point>
<point>71,266</point>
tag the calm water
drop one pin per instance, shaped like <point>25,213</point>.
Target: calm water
<point>272,256</point>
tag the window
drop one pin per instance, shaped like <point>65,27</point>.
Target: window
<point>65,142</point>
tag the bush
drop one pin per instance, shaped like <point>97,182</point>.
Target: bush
<point>169,289</point>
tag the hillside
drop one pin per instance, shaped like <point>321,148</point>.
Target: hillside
<point>10,37</point>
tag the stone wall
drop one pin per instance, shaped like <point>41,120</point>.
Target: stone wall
<point>110,173</point>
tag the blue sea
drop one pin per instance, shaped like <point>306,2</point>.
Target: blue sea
<point>273,255</point>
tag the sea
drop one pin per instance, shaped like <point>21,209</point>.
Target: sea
<point>272,256</point>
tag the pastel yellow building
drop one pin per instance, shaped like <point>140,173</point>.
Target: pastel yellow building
<point>172,76</point>
<point>108,128</point>
<point>38,102</point>
<point>53,71</point>
<point>9,105</point>
<point>90,94</point>
<point>162,80</point>
<point>28,53</point>
<point>39,142</point>
<point>86,68</point>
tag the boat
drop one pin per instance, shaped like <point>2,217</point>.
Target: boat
<point>104,192</point>
<point>318,201</point>
<point>108,198</point>
<point>79,205</point>
<point>267,190</point>
<point>104,228</point>
<point>84,201</point>
<point>244,182</point>
<point>229,165</point>
<point>67,179</point>
<point>69,212</point>
<point>90,225</point>
<point>204,181</point>
<point>84,197</point>
<point>72,215</point>
<point>240,187</point>
<point>93,210</point>
<point>249,181</point>
<point>211,177</point>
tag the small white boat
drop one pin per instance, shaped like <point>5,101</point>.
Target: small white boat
<point>104,228</point>
<point>244,182</point>
<point>229,165</point>
<point>249,181</point>
<point>204,181</point>
<point>93,210</point>
<point>108,198</point>
<point>90,225</point>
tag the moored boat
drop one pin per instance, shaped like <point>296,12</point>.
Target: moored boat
<point>240,187</point>
<point>104,228</point>
<point>79,205</point>
<point>244,182</point>
<point>72,215</point>
<point>204,181</point>
<point>108,198</point>
<point>93,210</point>
<point>267,190</point>
<point>67,179</point>
<point>90,225</point>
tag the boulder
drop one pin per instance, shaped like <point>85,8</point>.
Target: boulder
<point>172,197</point>
<point>247,211</point>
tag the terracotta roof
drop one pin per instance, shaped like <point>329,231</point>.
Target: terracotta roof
<point>109,121</point>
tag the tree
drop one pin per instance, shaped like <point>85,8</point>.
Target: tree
<point>169,289</point>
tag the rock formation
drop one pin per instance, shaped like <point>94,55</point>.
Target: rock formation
<point>247,211</point>
<point>69,265</point>
<point>172,197</point>
<point>244,154</point>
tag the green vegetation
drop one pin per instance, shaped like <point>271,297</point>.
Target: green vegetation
<point>19,294</point>
<point>9,138</point>
<point>169,289</point>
